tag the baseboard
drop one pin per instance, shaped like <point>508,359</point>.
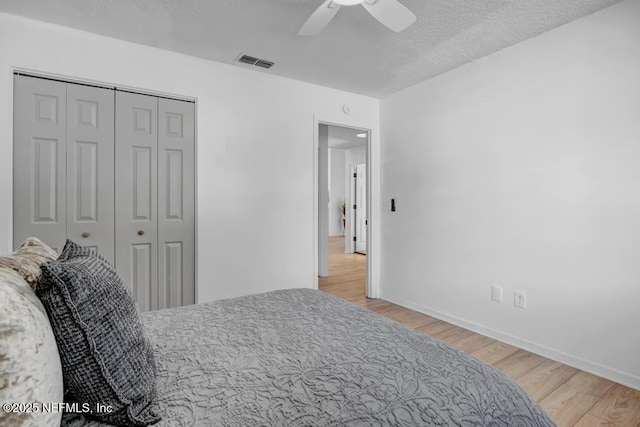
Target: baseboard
<point>612,374</point>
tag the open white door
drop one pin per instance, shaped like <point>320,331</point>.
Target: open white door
<point>361,207</point>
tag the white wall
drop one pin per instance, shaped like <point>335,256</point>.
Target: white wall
<point>255,148</point>
<point>522,170</point>
<point>336,190</point>
<point>355,156</point>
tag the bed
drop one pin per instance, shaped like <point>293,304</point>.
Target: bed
<point>300,357</point>
<point>303,357</point>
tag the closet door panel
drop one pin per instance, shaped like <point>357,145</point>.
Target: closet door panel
<point>90,170</point>
<point>136,196</point>
<point>39,159</point>
<point>143,277</point>
<point>176,202</point>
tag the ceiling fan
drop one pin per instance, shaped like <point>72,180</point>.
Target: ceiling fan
<point>389,12</point>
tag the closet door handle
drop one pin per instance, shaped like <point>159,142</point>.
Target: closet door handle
<point>140,232</point>
<point>85,235</point>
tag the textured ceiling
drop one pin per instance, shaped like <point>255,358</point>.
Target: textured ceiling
<point>354,53</point>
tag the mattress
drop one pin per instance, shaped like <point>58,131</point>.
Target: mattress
<point>305,358</point>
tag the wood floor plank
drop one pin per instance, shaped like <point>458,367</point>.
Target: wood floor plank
<point>416,321</point>
<point>435,327</point>
<point>570,396</point>
<point>408,317</point>
<point>473,343</point>
<point>519,363</point>
<point>590,421</point>
<point>591,384</point>
<point>495,352</point>
<point>545,378</point>
<point>453,335</point>
<point>620,405</point>
<point>567,405</point>
<point>377,305</point>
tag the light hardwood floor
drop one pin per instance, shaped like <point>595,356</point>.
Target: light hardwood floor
<point>570,396</point>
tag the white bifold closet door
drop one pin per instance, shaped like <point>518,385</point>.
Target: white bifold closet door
<point>63,182</point>
<point>90,177</point>
<point>114,171</point>
<point>137,195</point>
<point>155,216</point>
<point>176,202</point>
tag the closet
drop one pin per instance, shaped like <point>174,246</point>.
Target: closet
<point>111,170</point>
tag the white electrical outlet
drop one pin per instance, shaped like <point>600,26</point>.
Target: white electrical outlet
<point>496,293</point>
<point>520,299</point>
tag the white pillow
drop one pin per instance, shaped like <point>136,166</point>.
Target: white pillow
<point>27,259</point>
<point>30,370</point>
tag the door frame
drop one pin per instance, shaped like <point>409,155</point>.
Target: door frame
<point>372,290</point>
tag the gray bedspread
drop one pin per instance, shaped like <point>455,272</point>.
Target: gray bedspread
<point>305,358</point>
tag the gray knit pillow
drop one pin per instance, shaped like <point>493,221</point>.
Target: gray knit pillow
<point>106,356</point>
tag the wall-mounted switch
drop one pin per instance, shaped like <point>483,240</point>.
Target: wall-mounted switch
<point>393,205</point>
<point>520,299</point>
<point>496,293</point>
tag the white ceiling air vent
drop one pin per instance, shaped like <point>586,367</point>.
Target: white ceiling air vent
<point>263,63</point>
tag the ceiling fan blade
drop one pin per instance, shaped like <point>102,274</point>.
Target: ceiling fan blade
<point>390,13</point>
<point>319,19</point>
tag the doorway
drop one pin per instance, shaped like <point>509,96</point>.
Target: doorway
<point>342,205</point>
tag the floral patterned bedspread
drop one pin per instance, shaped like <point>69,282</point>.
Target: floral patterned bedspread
<point>305,358</point>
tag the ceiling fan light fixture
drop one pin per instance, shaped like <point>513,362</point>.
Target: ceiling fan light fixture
<point>391,13</point>
<point>348,2</point>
